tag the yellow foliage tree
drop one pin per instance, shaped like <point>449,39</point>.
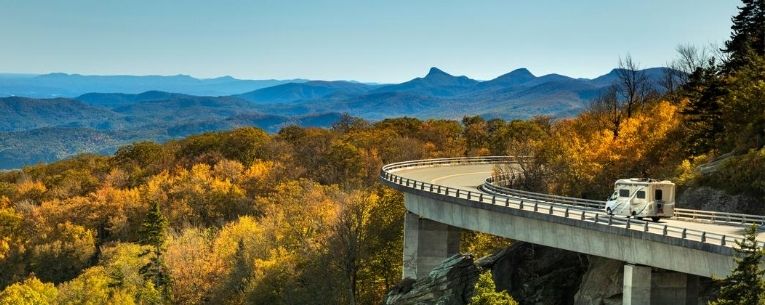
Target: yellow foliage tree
<point>193,266</point>
<point>29,292</point>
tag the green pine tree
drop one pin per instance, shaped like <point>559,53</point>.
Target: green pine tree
<point>486,293</point>
<point>745,285</point>
<point>705,90</point>
<point>152,234</point>
<point>154,227</point>
<point>747,36</point>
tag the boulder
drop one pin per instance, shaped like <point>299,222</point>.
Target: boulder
<point>450,283</point>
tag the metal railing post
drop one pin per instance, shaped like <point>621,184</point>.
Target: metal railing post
<point>722,241</point>
<point>684,233</point>
<point>566,213</point>
<point>551,210</point>
<point>645,226</point>
<point>703,237</point>
<point>664,232</point>
<point>611,218</point>
<point>628,223</point>
<point>536,206</point>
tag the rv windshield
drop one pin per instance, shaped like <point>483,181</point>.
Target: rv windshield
<point>613,196</point>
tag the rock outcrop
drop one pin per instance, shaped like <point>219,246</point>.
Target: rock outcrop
<point>709,199</point>
<point>450,283</point>
<point>535,274</point>
<point>602,283</point>
<point>532,274</point>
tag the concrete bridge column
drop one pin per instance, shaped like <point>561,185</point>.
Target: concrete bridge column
<point>676,288</point>
<point>637,285</point>
<point>644,286</point>
<point>426,244</point>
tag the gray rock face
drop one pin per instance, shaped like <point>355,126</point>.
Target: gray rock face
<point>535,274</point>
<point>450,283</point>
<point>602,283</point>
<point>707,198</point>
<point>532,274</point>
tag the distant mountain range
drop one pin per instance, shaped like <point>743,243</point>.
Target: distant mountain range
<point>518,94</point>
<point>102,113</point>
<point>72,85</point>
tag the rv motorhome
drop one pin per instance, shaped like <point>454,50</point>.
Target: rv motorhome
<point>642,198</point>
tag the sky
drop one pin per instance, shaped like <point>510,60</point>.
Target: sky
<point>370,41</point>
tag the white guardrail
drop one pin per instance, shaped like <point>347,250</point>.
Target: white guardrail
<point>567,207</point>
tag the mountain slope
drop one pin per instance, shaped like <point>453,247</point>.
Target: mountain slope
<point>436,83</point>
<point>292,92</point>
<point>113,100</point>
<point>19,113</point>
<point>516,77</point>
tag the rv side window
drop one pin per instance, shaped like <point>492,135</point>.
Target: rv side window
<point>657,195</point>
<point>624,193</point>
<point>640,195</point>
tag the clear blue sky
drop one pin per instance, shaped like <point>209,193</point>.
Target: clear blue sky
<point>376,41</point>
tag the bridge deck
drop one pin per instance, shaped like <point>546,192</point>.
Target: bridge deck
<point>469,177</point>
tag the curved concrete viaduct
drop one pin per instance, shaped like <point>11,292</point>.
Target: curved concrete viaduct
<point>443,196</point>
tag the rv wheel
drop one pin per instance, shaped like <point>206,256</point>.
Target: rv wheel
<point>655,219</point>
<point>609,212</point>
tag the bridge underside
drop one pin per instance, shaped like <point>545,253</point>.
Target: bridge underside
<point>432,227</point>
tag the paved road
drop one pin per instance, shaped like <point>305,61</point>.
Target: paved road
<point>469,177</point>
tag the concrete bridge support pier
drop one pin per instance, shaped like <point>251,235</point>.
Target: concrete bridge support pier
<point>676,288</point>
<point>637,285</point>
<point>643,286</point>
<point>426,244</point>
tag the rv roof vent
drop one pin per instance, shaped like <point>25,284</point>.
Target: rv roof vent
<point>644,179</point>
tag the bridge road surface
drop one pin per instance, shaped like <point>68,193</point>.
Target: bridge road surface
<point>469,177</point>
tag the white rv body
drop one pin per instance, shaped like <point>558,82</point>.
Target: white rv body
<point>642,198</point>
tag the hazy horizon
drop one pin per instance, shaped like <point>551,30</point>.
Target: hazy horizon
<point>2,73</point>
